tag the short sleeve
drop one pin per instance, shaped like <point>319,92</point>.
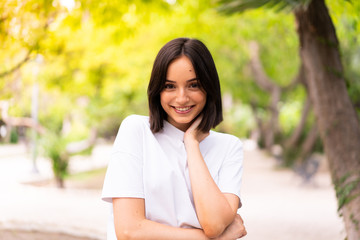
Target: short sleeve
<point>230,174</point>
<point>124,175</point>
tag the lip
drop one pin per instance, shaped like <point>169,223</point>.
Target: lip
<point>183,110</point>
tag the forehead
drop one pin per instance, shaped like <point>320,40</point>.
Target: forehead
<point>180,68</point>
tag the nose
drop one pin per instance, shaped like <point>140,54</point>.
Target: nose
<point>182,96</point>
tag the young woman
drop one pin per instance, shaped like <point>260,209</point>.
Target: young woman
<point>170,176</point>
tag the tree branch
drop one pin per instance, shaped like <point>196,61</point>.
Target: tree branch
<point>300,127</point>
<point>19,121</point>
<point>25,122</point>
<point>17,66</point>
<point>258,120</point>
<point>309,142</point>
<point>260,76</point>
<point>77,147</point>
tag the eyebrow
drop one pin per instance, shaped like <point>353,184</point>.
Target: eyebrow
<point>190,80</point>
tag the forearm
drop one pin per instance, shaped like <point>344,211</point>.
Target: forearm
<point>130,223</point>
<point>213,210</point>
<point>150,230</point>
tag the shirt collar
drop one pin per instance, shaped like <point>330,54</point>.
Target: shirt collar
<point>174,132</point>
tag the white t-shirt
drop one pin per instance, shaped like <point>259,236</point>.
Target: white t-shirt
<point>154,167</point>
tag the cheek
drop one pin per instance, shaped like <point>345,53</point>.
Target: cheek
<point>164,99</point>
<point>200,98</point>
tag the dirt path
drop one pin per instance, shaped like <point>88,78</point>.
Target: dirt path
<point>275,204</point>
<point>31,212</point>
<point>34,235</point>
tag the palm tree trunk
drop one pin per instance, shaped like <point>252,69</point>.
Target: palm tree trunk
<point>337,121</point>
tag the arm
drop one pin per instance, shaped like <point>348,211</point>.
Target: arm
<point>235,229</point>
<point>215,210</point>
<point>130,223</point>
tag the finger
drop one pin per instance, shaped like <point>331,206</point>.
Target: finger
<point>196,123</point>
<point>241,220</point>
<point>203,136</point>
<point>243,234</point>
<point>243,231</point>
<point>198,120</point>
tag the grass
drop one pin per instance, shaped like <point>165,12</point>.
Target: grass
<point>83,176</point>
<point>93,179</point>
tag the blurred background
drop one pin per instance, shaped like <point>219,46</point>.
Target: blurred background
<point>72,70</point>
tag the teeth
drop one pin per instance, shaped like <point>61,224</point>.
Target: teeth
<point>182,109</point>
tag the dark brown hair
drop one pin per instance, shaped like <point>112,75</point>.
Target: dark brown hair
<point>206,74</point>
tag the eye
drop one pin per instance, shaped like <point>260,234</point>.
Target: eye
<point>169,86</point>
<point>194,85</point>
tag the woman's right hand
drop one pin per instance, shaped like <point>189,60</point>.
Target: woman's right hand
<point>234,231</point>
<point>192,133</point>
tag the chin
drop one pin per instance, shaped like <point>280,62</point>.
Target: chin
<point>185,120</point>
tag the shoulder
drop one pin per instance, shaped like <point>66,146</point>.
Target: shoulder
<point>218,140</point>
<point>131,131</point>
<point>225,138</point>
<point>135,121</point>
<point>134,126</point>
<point>229,145</point>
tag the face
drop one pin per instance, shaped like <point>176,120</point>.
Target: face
<point>182,98</point>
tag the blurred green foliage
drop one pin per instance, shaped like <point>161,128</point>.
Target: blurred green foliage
<point>93,59</point>
<point>54,148</point>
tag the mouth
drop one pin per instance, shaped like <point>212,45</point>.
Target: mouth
<point>182,110</point>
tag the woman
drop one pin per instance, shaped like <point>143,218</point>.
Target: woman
<point>170,176</point>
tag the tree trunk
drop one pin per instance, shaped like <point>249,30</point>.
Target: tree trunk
<point>265,83</point>
<point>295,137</point>
<point>260,126</point>
<point>337,121</point>
<point>308,145</point>
<point>59,182</point>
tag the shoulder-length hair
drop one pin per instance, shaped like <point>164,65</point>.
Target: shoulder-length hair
<point>206,74</point>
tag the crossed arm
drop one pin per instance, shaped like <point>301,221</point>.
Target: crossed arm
<point>216,211</point>
<point>132,224</point>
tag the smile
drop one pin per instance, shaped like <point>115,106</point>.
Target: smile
<point>183,109</point>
